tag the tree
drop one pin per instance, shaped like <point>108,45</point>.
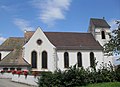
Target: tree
<point>113,46</point>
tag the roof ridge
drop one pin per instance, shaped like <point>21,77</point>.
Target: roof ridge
<point>97,18</point>
<point>16,37</point>
<point>69,32</point>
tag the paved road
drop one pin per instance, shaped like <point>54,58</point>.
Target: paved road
<point>9,83</point>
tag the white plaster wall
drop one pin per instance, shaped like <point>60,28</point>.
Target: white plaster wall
<point>6,76</point>
<point>99,37</point>
<point>31,45</point>
<point>4,53</point>
<point>30,80</point>
<point>73,57</point>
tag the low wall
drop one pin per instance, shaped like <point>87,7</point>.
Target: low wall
<point>6,75</point>
<point>30,80</point>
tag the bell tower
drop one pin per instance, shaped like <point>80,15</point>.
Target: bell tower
<point>100,30</point>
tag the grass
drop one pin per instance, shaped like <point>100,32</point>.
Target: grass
<point>108,84</point>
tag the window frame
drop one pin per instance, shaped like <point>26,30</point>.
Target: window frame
<point>79,59</point>
<point>103,34</point>
<point>66,60</point>
<point>34,59</point>
<point>92,59</point>
<point>44,60</point>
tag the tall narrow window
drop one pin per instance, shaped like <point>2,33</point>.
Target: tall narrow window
<point>34,59</point>
<point>92,59</point>
<point>103,34</point>
<point>0,56</point>
<point>66,60</point>
<point>79,59</point>
<point>44,59</point>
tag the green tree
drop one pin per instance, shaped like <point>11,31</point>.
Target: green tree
<point>113,46</point>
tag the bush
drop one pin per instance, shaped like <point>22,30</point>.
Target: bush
<point>117,72</point>
<point>79,77</point>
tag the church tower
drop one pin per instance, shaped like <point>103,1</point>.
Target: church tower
<point>100,30</point>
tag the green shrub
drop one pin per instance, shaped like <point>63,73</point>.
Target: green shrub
<point>74,76</point>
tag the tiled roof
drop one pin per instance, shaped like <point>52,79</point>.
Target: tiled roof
<point>99,23</point>
<point>14,58</point>
<point>70,40</point>
<point>12,43</point>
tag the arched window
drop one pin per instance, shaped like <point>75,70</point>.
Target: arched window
<point>79,59</point>
<point>92,59</point>
<point>44,59</point>
<point>66,60</point>
<point>0,56</point>
<point>103,34</point>
<point>34,59</point>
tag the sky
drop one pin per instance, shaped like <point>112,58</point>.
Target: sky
<point>16,16</point>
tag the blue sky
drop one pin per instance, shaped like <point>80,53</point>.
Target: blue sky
<point>53,15</point>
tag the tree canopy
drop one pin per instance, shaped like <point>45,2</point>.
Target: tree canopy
<point>113,46</point>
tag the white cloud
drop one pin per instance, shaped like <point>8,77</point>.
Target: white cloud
<point>113,24</point>
<point>2,39</point>
<point>51,10</point>
<point>23,24</point>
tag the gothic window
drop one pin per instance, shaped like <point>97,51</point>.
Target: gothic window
<point>103,34</point>
<point>92,59</point>
<point>66,60</point>
<point>79,59</point>
<point>44,59</point>
<point>0,56</point>
<point>34,59</point>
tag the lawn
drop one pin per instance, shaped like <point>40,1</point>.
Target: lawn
<point>108,84</point>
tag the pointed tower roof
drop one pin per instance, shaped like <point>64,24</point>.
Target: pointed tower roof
<point>99,23</point>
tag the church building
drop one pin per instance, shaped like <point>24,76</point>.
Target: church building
<point>49,51</point>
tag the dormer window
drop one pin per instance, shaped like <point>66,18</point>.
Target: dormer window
<point>103,34</point>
